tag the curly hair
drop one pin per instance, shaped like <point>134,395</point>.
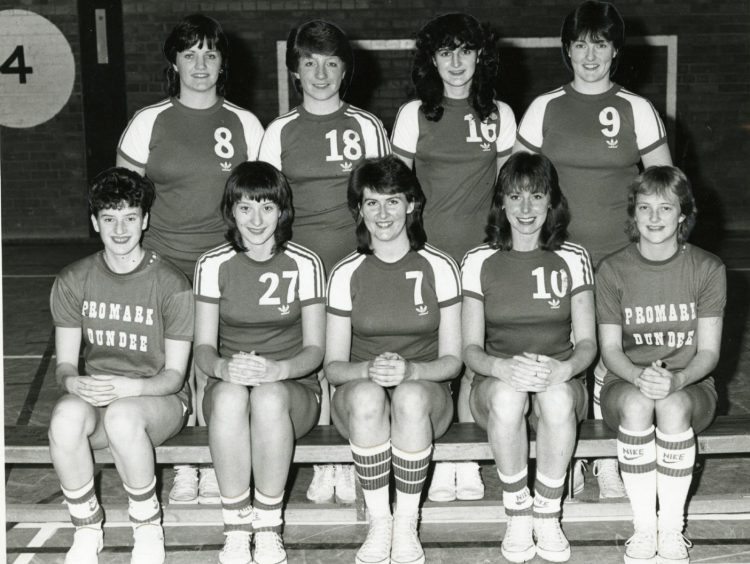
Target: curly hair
<point>258,181</point>
<point>386,175</point>
<point>120,187</point>
<point>451,31</point>
<point>663,180</point>
<point>323,38</point>
<point>200,29</point>
<point>597,20</point>
<point>528,172</point>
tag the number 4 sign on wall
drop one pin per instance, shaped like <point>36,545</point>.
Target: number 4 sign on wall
<point>37,69</point>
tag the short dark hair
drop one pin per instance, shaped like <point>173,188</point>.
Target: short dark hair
<point>663,180</point>
<point>192,29</point>
<point>386,175</point>
<point>597,20</point>
<point>323,38</point>
<point>119,187</point>
<point>258,181</point>
<point>528,172</point>
<point>451,31</point>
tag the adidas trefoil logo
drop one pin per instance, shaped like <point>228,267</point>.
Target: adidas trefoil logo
<point>485,147</point>
<point>346,167</point>
<point>226,166</point>
<point>612,143</point>
<point>554,304</point>
<point>422,309</point>
<point>284,310</point>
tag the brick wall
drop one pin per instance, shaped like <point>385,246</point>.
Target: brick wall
<point>710,133</point>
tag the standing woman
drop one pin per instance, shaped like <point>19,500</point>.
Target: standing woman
<point>660,303</point>
<point>188,144</point>
<point>525,292</point>
<point>393,343</point>
<point>316,146</point>
<point>456,136</point>
<point>597,134</point>
<point>260,333</point>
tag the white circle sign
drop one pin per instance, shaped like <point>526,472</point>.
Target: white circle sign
<point>37,69</point>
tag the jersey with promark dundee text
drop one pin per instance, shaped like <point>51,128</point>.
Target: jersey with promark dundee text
<point>394,307</point>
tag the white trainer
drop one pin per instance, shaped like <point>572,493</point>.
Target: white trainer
<point>185,485</point>
<point>208,487</point>
<point>518,542</point>
<point>469,485</point>
<point>87,544</point>
<point>148,544</point>
<point>607,472</point>
<point>321,486</point>
<point>236,548</point>
<point>673,548</point>
<point>269,548</point>
<point>377,546</point>
<point>406,548</point>
<point>443,483</point>
<point>579,473</point>
<point>641,548</point>
<point>551,543</point>
<point>344,483</point>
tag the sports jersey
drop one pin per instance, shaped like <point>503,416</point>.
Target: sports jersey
<point>595,142</point>
<point>317,154</point>
<point>124,318</point>
<point>455,160</point>
<point>658,304</point>
<point>189,154</point>
<point>394,307</point>
<point>527,297</point>
<point>260,303</point>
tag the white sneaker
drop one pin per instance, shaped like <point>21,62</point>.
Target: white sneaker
<point>469,485</point>
<point>377,546</point>
<point>208,487</point>
<point>406,548</point>
<point>551,543</point>
<point>344,483</point>
<point>607,472</point>
<point>579,472</point>
<point>443,483</point>
<point>518,542</point>
<point>269,548</point>
<point>321,487</point>
<point>673,548</point>
<point>236,548</point>
<point>185,485</point>
<point>87,544</point>
<point>148,544</point>
<point>641,548</point>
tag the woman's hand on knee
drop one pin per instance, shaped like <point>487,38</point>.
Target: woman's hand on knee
<point>102,389</point>
<point>656,382</point>
<point>558,372</point>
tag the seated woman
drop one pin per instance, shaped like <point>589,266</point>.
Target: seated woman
<point>260,297</point>
<point>525,291</point>
<point>660,303</point>
<point>393,343</point>
<point>134,313</point>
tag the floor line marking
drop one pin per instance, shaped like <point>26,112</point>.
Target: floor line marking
<point>37,382</point>
<point>24,356</point>
<point>29,275</point>
<point>45,533</point>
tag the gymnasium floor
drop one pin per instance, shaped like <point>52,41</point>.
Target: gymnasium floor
<point>596,530</point>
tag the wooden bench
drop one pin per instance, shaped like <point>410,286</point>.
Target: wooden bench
<point>463,441</point>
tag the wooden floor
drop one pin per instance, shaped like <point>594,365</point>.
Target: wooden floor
<point>331,534</point>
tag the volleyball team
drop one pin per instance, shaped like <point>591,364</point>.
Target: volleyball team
<point>264,282</point>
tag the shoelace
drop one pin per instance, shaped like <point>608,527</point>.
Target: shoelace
<point>268,542</point>
<point>551,531</point>
<point>347,475</point>
<point>237,542</point>
<point>607,473</point>
<point>378,534</point>
<point>641,538</point>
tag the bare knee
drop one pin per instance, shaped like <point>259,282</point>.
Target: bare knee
<point>366,401</point>
<point>269,401</point>
<point>72,420</point>
<point>636,411</point>
<point>123,424</point>
<point>673,413</point>
<point>226,400</point>
<point>506,406</point>
<point>556,406</point>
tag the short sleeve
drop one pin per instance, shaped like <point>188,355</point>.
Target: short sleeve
<point>135,141</point>
<point>530,130</point>
<point>339,293</point>
<point>578,261</point>
<point>406,130</point>
<point>270,146</point>
<point>608,296</point>
<point>713,297</point>
<point>179,313</point>
<point>471,271</point>
<point>311,287</point>
<point>253,133</point>
<point>66,301</point>
<point>507,135</point>
<point>447,276</point>
<point>650,132</point>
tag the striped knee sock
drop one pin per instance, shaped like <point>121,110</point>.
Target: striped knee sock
<point>516,495</point>
<point>410,471</point>
<point>675,458</point>
<point>548,496</point>
<point>143,507</point>
<point>636,451</point>
<point>268,512</point>
<point>373,467</point>
<point>237,512</point>
<point>83,506</point>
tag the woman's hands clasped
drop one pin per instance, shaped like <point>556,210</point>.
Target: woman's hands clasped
<point>530,372</point>
<point>250,369</point>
